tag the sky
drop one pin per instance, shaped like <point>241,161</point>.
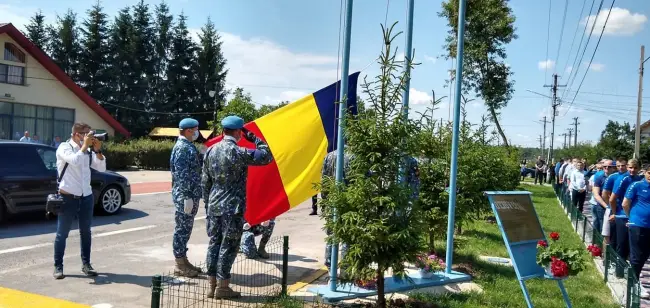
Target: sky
<point>284,49</point>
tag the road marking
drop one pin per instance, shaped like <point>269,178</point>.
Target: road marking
<point>199,218</point>
<point>307,280</point>
<point>24,248</point>
<point>152,193</point>
<point>125,231</point>
<point>15,298</point>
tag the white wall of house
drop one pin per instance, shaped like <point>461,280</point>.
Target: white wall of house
<point>42,88</point>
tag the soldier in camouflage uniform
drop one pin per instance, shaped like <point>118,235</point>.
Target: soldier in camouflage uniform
<point>247,246</point>
<point>186,193</point>
<point>225,171</point>
<point>329,170</point>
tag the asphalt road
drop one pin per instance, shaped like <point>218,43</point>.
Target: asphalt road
<point>127,250</point>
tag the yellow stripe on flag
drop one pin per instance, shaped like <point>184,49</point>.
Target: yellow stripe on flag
<point>10,298</point>
<point>297,139</point>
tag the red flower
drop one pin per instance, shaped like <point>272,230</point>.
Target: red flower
<point>595,250</point>
<point>559,268</point>
<point>542,243</point>
<point>555,236</point>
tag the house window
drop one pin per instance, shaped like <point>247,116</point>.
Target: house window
<point>12,53</point>
<point>12,74</point>
<point>43,121</point>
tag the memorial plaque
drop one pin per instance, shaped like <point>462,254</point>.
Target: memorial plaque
<point>518,217</point>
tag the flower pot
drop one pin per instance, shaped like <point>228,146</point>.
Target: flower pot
<point>425,274</point>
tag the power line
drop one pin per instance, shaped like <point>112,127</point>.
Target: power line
<point>593,54</point>
<point>575,33</point>
<point>548,37</point>
<point>574,69</point>
<point>559,45</point>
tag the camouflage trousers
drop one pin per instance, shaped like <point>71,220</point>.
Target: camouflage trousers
<point>225,233</point>
<point>183,230</point>
<point>247,245</point>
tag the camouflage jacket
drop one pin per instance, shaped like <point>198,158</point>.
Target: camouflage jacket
<point>186,171</point>
<point>225,171</point>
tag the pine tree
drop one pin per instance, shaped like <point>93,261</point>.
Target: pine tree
<point>143,40</point>
<point>94,61</point>
<point>64,44</point>
<point>181,74</point>
<point>121,50</point>
<point>211,72</point>
<point>162,46</point>
<point>37,32</point>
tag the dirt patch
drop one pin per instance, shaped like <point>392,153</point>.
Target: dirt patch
<point>465,268</point>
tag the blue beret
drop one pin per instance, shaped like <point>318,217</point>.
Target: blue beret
<point>188,123</point>
<point>232,122</point>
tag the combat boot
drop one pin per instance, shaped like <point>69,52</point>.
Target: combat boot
<point>182,269</point>
<point>213,285</point>
<point>261,252</point>
<point>190,265</point>
<point>224,291</point>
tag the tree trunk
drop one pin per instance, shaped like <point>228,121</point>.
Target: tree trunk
<point>432,249</point>
<point>493,113</point>
<point>381,296</point>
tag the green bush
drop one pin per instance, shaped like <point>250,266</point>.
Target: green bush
<point>140,153</point>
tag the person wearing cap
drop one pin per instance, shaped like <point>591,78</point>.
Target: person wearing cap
<point>186,193</point>
<point>247,245</point>
<point>225,171</point>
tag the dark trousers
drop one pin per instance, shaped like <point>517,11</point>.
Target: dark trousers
<point>314,203</point>
<point>539,176</point>
<point>578,199</point>
<point>82,208</point>
<point>639,247</point>
<point>622,238</point>
<point>598,212</point>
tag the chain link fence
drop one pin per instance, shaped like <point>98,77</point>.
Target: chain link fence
<point>617,272</point>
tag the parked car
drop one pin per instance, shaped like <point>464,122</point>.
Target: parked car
<point>28,174</point>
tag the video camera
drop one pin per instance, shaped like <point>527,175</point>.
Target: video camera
<point>101,137</point>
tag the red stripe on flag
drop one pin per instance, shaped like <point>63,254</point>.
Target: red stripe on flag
<point>265,194</point>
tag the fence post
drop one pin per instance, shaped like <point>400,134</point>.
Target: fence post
<point>584,229</point>
<point>606,262</point>
<point>630,285</point>
<point>156,289</point>
<point>285,263</point>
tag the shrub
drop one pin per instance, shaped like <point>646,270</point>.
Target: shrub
<point>120,156</point>
<point>140,153</point>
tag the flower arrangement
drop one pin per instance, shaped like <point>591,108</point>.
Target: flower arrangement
<point>595,251</point>
<point>427,265</point>
<point>558,260</point>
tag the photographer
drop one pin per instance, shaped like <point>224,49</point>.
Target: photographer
<point>74,158</point>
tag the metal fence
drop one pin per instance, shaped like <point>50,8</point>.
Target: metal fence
<point>617,272</point>
<point>262,283</point>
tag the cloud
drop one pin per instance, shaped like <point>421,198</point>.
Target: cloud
<point>523,136</point>
<point>418,97</point>
<point>476,104</point>
<point>569,69</point>
<point>596,67</point>
<point>548,64</point>
<point>621,22</point>
<point>431,59</point>
<point>289,96</point>
<point>15,15</point>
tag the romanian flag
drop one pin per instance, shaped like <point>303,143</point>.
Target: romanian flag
<point>299,134</point>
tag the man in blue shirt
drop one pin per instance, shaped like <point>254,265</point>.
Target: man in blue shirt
<point>609,227</point>
<point>598,204</point>
<point>637,207</point>
<point>557,173</point>
<point>616,203</point>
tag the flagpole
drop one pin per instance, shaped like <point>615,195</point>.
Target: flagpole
<point>454,144</point>
<point>408,57</point>
<point>340,142</point>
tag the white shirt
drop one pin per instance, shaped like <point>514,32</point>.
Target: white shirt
<point>25,139</point>
<point>577,179</point>
<point>76,180</point>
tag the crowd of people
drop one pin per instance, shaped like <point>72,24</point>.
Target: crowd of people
<point>618,192</point>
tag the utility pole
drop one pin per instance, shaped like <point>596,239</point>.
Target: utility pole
<point>541,144</point>
<point>570,134</point>
<point>544,142</point>
<point>575,129</point>
<point>637,133</point>
<point>564,144</point>
<point>554,104</point>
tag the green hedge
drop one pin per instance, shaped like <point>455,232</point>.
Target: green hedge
<point>140,153</point>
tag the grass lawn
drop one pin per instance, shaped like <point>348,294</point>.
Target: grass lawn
<point>499,283</point>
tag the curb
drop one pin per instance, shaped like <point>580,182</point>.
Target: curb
<point>307,280</point>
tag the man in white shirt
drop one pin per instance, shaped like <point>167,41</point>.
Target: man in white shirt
<point>75,157</point>
<point>25,137</point>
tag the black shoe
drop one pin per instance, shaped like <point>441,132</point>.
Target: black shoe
<point>58,272</point>
<point>313,213</point>
<point>88,270</point>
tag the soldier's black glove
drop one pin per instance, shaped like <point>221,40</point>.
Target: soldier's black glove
<point>248,135</point>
